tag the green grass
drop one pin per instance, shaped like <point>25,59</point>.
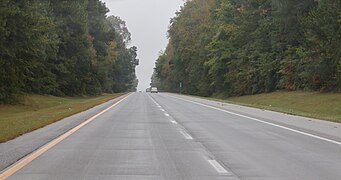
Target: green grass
<point>326,106</point>
<point>36,111</point>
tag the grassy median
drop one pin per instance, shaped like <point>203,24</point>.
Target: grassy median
<point>36,111</point>
<point>325,106</point>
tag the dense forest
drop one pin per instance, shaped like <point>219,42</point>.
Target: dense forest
<point>240,47</point>
<point>63,48</point>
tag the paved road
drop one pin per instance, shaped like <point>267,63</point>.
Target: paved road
<point>163,136</point>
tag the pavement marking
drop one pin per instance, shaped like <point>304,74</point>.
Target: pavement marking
<point>219,168</point>
<point>185,134</point>
<point>29,158</point>
<point>182,131</point>
<point>174,122</point>
<point>265,122</point>
<point>157,104</point>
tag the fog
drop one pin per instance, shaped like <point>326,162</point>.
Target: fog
<point>147,21</point>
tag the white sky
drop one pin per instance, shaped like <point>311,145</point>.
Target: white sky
<point>147,21</point>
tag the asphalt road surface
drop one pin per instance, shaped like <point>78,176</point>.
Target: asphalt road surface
<point>166,136</point>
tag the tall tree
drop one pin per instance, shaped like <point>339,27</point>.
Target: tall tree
<point>238,47</point>
<point>28,41</point>
<point>190,31</point>
<point>63,48</point>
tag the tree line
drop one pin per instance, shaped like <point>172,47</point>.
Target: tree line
<point>240,47</point>
<point>63,48</point>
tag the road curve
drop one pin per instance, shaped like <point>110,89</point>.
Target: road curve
<point>163,136</point>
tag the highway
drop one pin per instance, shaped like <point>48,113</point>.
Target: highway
<point>166,136</point>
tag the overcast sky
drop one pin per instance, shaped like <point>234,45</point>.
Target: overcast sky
<point>147,21</point>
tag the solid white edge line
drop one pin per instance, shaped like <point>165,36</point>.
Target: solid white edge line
<point>9,171</point>
<point>265,122</point>
<point>219,168</point>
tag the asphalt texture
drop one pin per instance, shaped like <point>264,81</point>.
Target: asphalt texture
<point>13,150</point>
<point>167,136</point>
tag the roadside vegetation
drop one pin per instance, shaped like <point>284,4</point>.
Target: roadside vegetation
<point>36,111</point>
<point>326,106</point>
<point>63,48</point>
<point>245,47</point>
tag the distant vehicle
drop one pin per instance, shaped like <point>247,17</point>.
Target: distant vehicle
<point>153,90</point>
<point>148,90</point>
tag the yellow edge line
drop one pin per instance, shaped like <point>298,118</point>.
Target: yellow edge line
<point>29,158</point>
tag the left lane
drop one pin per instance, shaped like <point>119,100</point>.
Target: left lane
<point>13,150</point>
<point>133,140</point>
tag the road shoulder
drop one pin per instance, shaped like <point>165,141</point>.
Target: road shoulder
<point>327,129</point>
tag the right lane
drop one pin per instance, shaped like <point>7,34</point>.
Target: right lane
<point>254,150</point>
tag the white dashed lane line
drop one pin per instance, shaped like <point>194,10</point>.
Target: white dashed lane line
<point>181,129</point>
<point>185,134</point>
<point>174,122</point>
<point>219,168</point>
<point>215,164</point>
